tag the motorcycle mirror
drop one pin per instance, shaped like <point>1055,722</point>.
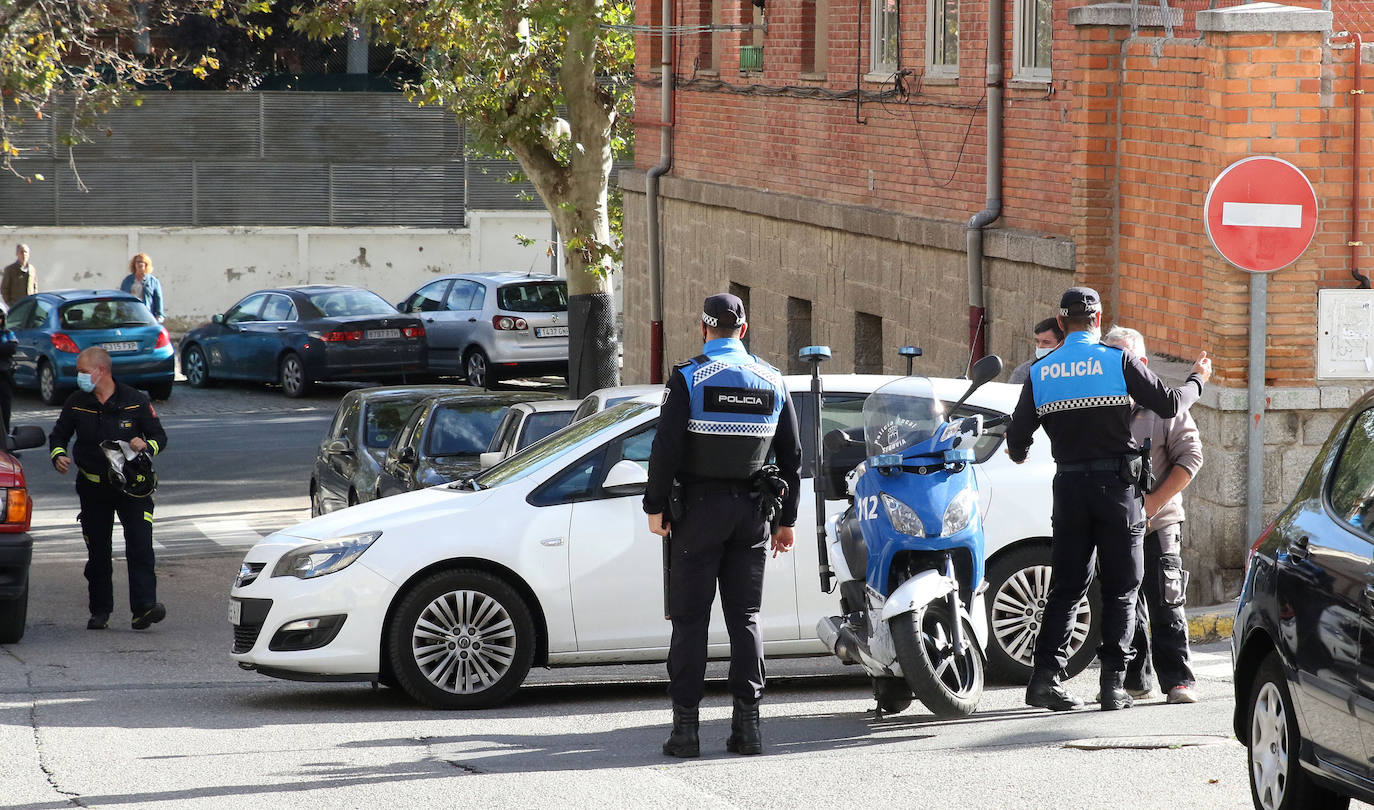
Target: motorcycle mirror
<point>983,371</point>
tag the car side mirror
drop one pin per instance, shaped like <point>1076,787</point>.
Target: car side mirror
<point>488,459</point>
<point>217,318</point>
<point>339,447</point>
<point>625,478</point>
<point>25,437</point>
<point>407,455</point>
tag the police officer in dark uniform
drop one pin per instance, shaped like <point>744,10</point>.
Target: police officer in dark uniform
<point>724,412</point>
<point>1082,393</point>
<point>107,410</point>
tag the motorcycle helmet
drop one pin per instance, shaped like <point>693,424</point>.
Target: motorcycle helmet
<point>140,480</point>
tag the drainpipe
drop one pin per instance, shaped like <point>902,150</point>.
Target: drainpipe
<point>977,309</point>
<point>1357,96</point>
<point>665,163</point>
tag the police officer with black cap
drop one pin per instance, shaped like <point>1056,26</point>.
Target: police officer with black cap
<point>108,411</point>
<point>724,412</point>
<point>1082,393</point>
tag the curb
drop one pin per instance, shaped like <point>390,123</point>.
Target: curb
<point>1212,623</point>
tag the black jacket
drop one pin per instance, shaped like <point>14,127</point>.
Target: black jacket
<point>126,414</point>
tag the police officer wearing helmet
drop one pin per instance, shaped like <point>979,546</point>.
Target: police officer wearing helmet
<point>108,411</point>
<point>724,412</point>
<point>1082,393</point>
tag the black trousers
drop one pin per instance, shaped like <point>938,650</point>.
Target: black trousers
<point>99,505</point>
<point>1160,608</point>
<point>1094,512</point>
<point>720,538</point>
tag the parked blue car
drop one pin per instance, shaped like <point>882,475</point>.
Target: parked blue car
<point>53,327</point>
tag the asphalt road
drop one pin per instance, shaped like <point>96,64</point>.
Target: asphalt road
<point>163,718</point>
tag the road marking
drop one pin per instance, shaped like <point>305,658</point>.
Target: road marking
<point>1211,665</point>
<point>1261,215</point>
<point>228,532</point>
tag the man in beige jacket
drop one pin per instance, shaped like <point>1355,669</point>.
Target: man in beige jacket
<point>20,278</point>
<point>1175,456</point>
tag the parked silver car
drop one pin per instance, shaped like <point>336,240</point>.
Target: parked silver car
<point>489,326</point>
<point>526,423</point>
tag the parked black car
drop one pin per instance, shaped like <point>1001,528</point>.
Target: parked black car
<point>301,335</point>
<point>444,438</point>
<point>1303,643</point>
<point>352,452</point>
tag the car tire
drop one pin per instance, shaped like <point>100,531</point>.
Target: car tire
<point>1278,780</point>
<point>14,614</point>
<point>160,392</point>
<point>1018,584</point>
<point>316,501</point>
<point>195,367</point>
<point>486,649</point>
<point>295,383</point>
<point>477,368</point>
<point>48,389</point>
<point>353,497</point>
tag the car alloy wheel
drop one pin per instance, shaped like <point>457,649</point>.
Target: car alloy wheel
<point>294,383</point>
<point>1018,588</point>
<point>1269,755</point>
<point>197,372</point>
<point>476,369</point>
<point>47,384</point>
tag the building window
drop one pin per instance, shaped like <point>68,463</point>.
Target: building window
<point>884,41</point>
<point>815,36</point>
<point>942,47</point>
<point>868,343</point>
<point>1033,36</point>
<point>798,334</point>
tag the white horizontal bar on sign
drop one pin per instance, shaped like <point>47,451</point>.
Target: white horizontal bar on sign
<point>1261,215</point>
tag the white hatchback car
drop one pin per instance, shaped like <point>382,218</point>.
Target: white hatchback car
<point>452,593</point>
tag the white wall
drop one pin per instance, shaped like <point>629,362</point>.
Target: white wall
<point>205,270</point>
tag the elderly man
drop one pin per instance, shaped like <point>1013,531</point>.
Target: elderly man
<point>1175,456</point>
<point>20,278</point>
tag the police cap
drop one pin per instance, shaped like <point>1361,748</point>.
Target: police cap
<point>724,311</point>
<point>1079,301</point>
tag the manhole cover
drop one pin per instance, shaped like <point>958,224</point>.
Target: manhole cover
<point>1145,743</point>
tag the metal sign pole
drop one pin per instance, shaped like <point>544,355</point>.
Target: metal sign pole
<point>1254,490</point>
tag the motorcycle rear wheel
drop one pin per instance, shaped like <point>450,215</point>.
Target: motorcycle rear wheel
<point>949,683</point>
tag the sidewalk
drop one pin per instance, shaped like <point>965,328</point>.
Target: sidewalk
<point>1211,622</point>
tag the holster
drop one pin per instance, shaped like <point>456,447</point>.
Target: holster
<point>770,488</point>
<point>677,507</point>
<point>1147,477</point>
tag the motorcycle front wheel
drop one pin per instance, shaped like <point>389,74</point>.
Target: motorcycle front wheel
<point>948,682</point>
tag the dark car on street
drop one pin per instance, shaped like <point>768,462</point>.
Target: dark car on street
<point>54,327</point>
<point>351,454</point>
<point>16,546</point>
<point>297,336</point>
<point>444,438</point>
<point>1303,643</point>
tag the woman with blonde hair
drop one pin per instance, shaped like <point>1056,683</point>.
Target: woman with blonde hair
<point>143,285</point>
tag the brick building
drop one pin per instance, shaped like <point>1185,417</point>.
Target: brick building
<point>826,170</point>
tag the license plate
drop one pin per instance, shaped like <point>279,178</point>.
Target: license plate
<point>551,331</point>
<point>382,334</point>
<point>235,612</point>
<point>121,346</point>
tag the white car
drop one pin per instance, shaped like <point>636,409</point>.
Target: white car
<point>452,593</point>
<point>603,398</point>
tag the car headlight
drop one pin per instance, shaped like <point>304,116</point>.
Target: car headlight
<point>959,512</point>
<point>325,557</point>
<point>903,517</point>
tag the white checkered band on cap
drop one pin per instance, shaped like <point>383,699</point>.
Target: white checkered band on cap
<point>709,321</point>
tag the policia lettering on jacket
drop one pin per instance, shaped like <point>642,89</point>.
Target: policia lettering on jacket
<point>109,410</point>
<point>1082,393</point>
<point>724,412</point>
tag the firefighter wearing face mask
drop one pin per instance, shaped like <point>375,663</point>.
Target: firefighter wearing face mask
<point>106,410</point>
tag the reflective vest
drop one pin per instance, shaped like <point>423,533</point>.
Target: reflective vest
<point>734,400</point>
<point>1082,373</point>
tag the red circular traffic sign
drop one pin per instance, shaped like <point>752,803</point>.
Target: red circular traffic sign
<point>1261,214</point>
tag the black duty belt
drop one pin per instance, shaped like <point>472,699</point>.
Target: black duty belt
<point>720,485</point>
<point>1094,465</point>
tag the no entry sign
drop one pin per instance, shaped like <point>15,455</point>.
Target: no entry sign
<point>1261,214</point>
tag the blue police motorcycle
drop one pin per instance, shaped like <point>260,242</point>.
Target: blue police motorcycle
<point>908,552</point>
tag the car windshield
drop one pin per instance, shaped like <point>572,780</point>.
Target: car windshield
<point>105,313</point>
<point>462,430</point>
<point>348,303</point>
<point>386,418</point>
<point>533,296</point>
<point>539,425</point>
<point>577,437</point>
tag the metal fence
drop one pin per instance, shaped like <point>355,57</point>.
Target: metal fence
<point>1356,16</point>
<point>268,158</point>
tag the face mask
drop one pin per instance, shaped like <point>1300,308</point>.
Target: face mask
<point>84,382</point>
<point>1041,351</point>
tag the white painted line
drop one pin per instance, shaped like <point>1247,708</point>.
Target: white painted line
<point>1261,215</point>
<point>228,532</point>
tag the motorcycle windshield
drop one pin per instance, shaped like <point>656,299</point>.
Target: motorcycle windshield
<point>901,415</point>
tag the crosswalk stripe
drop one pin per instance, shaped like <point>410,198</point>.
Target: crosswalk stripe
<point>228,532</point>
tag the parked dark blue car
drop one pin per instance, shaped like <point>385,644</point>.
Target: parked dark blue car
<point>297,336</point>
<point>53,327</point>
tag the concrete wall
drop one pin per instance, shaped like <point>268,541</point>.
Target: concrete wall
<point>205,270</point>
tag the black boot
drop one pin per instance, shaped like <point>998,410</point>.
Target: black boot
<point>745,737</point>
<point>1114,695</point>
<point>684,741</point>
<point>1045,692</point>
